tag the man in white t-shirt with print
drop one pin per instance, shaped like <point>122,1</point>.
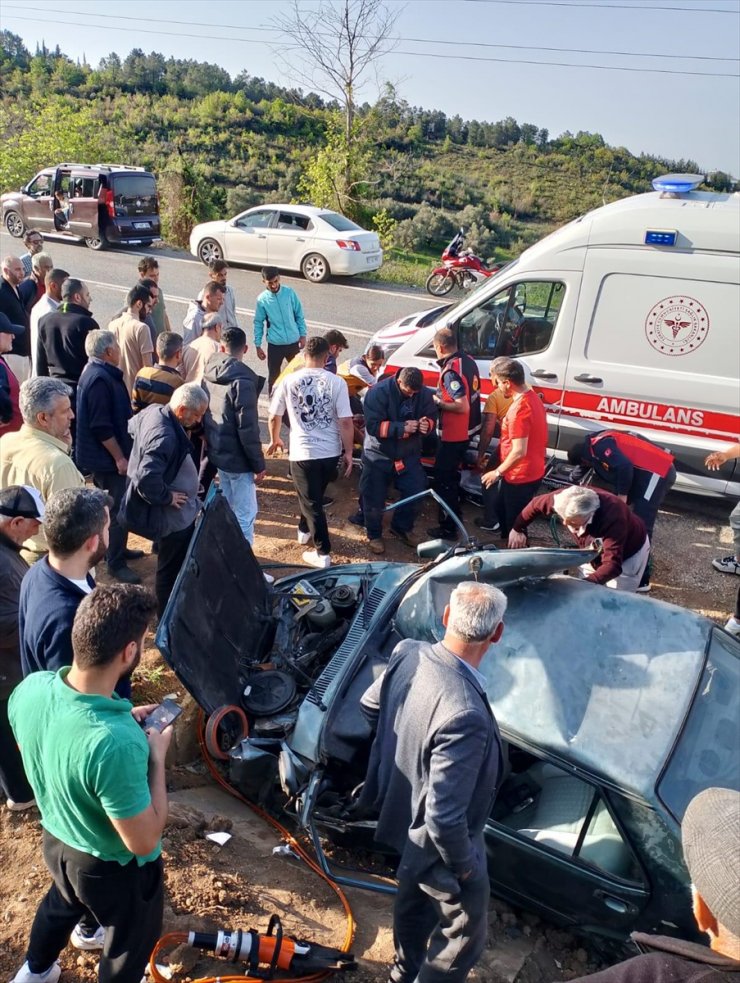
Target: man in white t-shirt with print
<point>317,404</point>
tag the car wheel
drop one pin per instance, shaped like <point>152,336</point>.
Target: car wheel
<point>95,242</point>
<point>315,268</point>
<point>439,284</point>
<point>14,224</point>
<point>208,250</point>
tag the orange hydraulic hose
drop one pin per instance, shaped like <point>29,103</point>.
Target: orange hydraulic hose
<point>173,939</point>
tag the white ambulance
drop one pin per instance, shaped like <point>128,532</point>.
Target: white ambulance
<point>627,317</point>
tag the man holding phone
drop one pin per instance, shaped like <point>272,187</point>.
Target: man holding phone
<point>399,413</point>
<point>99,782</point>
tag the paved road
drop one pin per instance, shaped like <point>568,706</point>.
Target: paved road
<point>357,307</point>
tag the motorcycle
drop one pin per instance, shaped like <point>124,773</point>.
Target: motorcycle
<point>461,268</point>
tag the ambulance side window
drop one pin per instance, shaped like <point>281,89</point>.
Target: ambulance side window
<point>518,320</point>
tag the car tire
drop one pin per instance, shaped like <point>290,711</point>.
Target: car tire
<point>315,268</point>
<point>440,284</point>
<point>95,242</point>
<point>208,250</point>
<point>15,224</point>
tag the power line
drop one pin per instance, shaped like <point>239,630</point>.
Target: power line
<point>602,6</point>
<point>413,40</point>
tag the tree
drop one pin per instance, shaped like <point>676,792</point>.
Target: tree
<point>338,45</point>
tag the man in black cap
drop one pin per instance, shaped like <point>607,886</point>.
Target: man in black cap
<point>10,414</point>
<point>710,832</point>
<point>21,514</point>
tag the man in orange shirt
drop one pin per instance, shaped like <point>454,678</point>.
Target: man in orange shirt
<point>514,481</point>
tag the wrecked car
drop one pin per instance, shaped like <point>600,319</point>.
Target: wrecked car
<point>615,710</point>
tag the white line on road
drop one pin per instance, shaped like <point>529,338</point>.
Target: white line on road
<point>170,298</point>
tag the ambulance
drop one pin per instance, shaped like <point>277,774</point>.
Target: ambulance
<point>629,318</point>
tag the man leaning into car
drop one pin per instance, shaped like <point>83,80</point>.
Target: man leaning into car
<point>435,765</point>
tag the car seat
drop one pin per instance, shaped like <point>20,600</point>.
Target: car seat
<point>558,814</point>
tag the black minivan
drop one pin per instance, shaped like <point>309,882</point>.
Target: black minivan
<point>103,204</point>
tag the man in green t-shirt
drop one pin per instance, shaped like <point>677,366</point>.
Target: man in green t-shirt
<point>99,782</point>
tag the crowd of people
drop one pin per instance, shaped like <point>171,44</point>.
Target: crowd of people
<point>106,431</point>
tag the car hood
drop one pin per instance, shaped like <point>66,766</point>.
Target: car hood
<point>220,598</point>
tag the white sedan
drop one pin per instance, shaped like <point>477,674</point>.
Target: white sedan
<point>316,241</point>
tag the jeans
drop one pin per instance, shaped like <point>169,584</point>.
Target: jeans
<point>374,481</point>
<point>240,492</point>
<point>446,481</point>
<point>126,901</point>
<point>310,479</point>
<point>13,781</point>
<point>115,484</point>
<point>171,556</point>
<point>276,355</point>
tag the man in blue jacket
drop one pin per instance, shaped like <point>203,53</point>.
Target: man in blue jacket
<point>399,412</point>
<point>232,428</point>
<point>103,443</point>
<point>279,309</point>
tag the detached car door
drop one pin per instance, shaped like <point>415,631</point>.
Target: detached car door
<point>289,240</point>
<point>554,844</point>
<point>245,238</point>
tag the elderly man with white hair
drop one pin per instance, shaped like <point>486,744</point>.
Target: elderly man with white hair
<point>161,501</point>
<point>599,519</point>
<point>40,453</point>
<point>435,766</point>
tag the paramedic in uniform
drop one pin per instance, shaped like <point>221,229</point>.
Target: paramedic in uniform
<point>458,401</point>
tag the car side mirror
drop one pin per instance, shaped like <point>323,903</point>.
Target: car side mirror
<point>431,548</point>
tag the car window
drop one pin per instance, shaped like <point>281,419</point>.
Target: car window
<point>562,812</point>
<point>706,755</point>
<point>83,187</point>
<point>340,223</point>
<point>298,223</point>
<point>518,320</point>
<point>40,185</point>
<point>133,185</point>
<point>255,220</point>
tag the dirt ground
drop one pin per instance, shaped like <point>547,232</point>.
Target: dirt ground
<point>242,883</point>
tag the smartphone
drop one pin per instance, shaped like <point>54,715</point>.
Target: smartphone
<point>166,713</point>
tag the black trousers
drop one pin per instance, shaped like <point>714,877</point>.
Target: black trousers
<point>170,558</point>
<point>126,901</point>
<point>374,481</point>
<point>438,936</point>
<point>276,355</point>
<point>646,496</point>
<point>115,484</point>
<point>13,781</point>
<point>310,479</point>
<point>446,479</point>
<point>505,501</point>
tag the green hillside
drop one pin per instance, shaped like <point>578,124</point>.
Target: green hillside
<point>219,145</point>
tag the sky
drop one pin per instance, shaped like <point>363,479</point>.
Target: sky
<point>483,59</point>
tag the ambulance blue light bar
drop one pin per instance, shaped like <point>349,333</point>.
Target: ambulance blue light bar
<point>677,184</point>
<point>661,237</point>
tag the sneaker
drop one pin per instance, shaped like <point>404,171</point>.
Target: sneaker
<point>14,806</point>
<point>24,975</point>
<point>733,627</point>
<point>304,538</point>
<point>403,537</point>
<point>269,579</point>
<point>487,525</point>
<point>727,564</point>
<point>124,575</point>
<point>87,942</point>
<point>315,559</point>
<point>439,532</point>
<point>357,518</point>
<point>644,589</point>
<point>326,501</point>
<point>377,546</point>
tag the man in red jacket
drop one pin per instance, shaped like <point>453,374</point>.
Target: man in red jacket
<point>594,518</point>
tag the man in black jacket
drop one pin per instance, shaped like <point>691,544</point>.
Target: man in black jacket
<point>710,832</point>
<point>21,513</point>
<point>232,428</point>
<point>161,500</point>
<point>103,442</point>
<point>61,338</point>
<point>11,304</point>
<point>399,412</point>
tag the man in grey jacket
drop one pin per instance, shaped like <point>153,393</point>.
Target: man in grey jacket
<point>434,769</point>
